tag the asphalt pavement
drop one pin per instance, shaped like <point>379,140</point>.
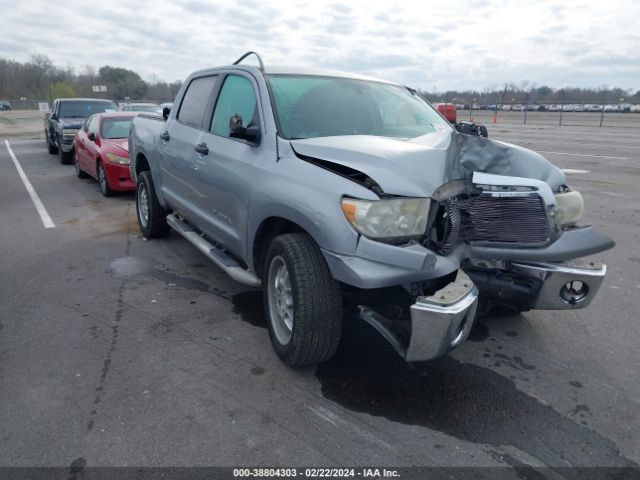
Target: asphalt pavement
<point>116,351</point>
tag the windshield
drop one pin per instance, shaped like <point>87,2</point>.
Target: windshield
<point>116,127</point>
<point>313,106</point>
<point>143,108</point>
<point>82,109</point>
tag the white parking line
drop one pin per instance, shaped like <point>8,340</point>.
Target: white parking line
<point>574,170</point>
<point>44,215</point>
<point>583,155</point>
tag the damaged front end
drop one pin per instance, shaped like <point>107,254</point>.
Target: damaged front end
<point>515,223</point>
<point>501,230</point>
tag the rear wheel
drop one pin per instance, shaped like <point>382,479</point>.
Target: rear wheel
<point>105,189</point>
<point>303,302</point>
<point>152,218</point>
<point>76,163</point>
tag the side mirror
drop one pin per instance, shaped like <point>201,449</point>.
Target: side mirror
<point>165,112</point>
<point>53,116</point>
<point>250,134</point>
<point>238,130</point>
<point>91,136</point>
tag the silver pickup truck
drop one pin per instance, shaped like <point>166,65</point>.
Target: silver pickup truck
<point>319,185</point>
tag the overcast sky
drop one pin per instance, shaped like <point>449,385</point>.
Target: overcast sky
<point>431,45</point>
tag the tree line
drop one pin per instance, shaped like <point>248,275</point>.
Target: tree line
<point>527,92</point>
<point>39,79</point>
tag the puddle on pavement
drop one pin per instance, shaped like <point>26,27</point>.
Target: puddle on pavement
<point>479,333</point>
<point>250,307</point>
<point>463,400</point>
<point>127,267</point>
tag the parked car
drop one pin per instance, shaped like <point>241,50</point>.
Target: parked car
<point>65,118</point>
<point>448,111</point>
<point>314,185</point>
<point>141,107</point>
<point>101,151</point>
<point>635,109</point>
<point>5,105</point>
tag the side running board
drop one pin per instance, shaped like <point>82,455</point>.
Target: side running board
<point>215,254</point>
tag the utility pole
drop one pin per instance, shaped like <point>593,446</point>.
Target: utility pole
<point>604,96</point>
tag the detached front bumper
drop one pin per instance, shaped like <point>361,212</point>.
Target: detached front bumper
<point>442,321</point>
<point>439,322</point>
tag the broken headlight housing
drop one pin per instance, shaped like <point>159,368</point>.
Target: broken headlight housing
<point>386,219</point>
<point>570,207</point>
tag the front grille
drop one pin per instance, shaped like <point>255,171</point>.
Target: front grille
<point>499,219</point>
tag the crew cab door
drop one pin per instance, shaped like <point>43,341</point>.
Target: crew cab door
<point>224,167</point>
<point>176,153</point>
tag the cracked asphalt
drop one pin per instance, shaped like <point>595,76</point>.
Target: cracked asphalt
<point>115,351</point>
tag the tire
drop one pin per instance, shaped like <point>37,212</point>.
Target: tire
<point>52,148</point>
<point>76,163</point>
<point>103,181</point>
<point>303,303</point>
<point>153,224</point>
<point>65,158</point>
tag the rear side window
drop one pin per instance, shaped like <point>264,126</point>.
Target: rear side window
<point>195,101</point>
<point>237,97</point>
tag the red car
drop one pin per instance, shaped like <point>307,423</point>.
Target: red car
<point>101,150</point>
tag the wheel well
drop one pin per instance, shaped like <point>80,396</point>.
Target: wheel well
<point>142,165</point>
<point>269,229</point>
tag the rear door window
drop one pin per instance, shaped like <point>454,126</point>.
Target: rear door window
<point>196,100</point>
<point>237,99</point>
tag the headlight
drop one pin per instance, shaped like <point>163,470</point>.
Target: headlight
<point>69,132</point>
<point>570,207</point>
<point>118,159</point>
<point>388,218</point>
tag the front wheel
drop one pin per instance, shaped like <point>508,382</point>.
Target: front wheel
<point>105,188</point>
<point>52,148</point>
<point>303,302</point>
<point>65,157</point>
<point>152,218</point>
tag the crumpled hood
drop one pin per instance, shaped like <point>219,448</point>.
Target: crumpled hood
<point>417,167</point>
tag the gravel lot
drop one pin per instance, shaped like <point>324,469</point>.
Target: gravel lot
<point>119,351</point>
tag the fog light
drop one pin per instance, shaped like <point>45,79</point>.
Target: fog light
<point>574,292</point>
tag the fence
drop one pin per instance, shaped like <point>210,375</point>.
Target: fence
<point>576,114</point>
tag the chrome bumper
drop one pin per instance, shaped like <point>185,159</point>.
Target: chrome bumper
<point>439,323</point>
<point>564,286</point>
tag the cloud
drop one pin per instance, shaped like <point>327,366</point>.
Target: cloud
<point>448,44</point>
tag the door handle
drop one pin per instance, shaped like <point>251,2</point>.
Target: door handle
<point>202,149</point>
<point>165,136</point>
